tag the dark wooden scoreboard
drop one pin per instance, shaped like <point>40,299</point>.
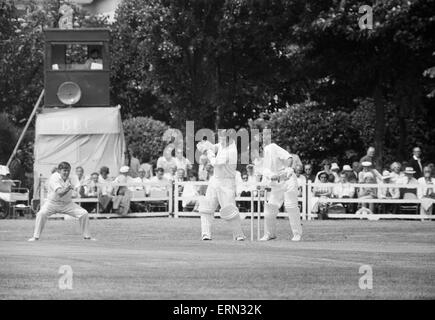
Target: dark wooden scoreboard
<point>77,68</point>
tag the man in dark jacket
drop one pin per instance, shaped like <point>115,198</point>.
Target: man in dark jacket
<point>416,163</point>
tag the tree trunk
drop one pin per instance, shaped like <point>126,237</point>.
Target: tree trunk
<point>379,126</point>
<point>218,97</point>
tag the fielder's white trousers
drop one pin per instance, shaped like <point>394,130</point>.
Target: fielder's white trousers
<point>220,192</point>
<point>277,196</point>
<point>72,209</point>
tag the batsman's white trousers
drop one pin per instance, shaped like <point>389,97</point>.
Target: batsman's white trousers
<point>72,209</point>
<point>280,194</point>
<point>220,192</point>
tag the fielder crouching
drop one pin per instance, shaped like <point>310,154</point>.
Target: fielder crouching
<point>60,201</point>
<point>221,188</point>
<point>284,189</point>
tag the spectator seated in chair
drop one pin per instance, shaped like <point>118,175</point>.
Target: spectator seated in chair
<point>122,194</point>
<point>90,190</point>
<point>344,191</point>
<point>369,192</point>
<point>159,189</point>
<point>190,190</point>
<point>6,185</point>
<point>321,195</point>
<point>408,179</point>
<point>427,191</point>
<point>388,193</point>
<point>78,181</point>
<point>106,190</point>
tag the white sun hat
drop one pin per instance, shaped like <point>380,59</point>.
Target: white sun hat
<point>366,164</point>
<point>347,167</point>
<point>124,169</point>
<point>334,166</point>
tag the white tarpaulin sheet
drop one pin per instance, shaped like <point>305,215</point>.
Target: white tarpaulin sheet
<point>86,137</point>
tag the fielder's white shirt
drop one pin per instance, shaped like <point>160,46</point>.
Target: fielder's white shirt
<point>55,182</point>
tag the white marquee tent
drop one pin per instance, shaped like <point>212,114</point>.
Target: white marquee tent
<point>87,137</point>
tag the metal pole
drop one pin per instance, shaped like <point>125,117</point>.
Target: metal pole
<point>25,128</point>
<point>258,213</point>
<point>252,215</point>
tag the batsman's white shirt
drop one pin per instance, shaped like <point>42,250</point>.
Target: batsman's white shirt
<point>274,160</point>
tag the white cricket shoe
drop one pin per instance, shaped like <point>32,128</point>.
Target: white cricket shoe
<point>240,238</point>
<point>32,239</point>
<point>296,237</point>
<point>267,237</point>
<point>206,237</point>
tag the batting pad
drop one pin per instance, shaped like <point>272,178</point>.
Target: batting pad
<point>229,212</point>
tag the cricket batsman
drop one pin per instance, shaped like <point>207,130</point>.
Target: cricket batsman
<point>60,201</point>
<point>222,187</point>
<point>280,177</point>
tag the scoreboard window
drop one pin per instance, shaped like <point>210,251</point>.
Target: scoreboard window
<point>76,56</point>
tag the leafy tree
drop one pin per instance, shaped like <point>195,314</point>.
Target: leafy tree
<point>313,132</point>
<point>215,62</point>
<point>144,136</point>
<point>385,63</point>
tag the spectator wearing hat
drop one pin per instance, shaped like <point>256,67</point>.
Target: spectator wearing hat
<point>344,190</point>
<point>335,169</point>
<point>388,193</point>
<point>368,170</point>
<point>122,194</point>
<point>350,175</point>
<point>326,164</point>
<point>408,179</point>
<point>427,191</point>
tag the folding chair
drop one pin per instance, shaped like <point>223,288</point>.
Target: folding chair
<point>411,207</point>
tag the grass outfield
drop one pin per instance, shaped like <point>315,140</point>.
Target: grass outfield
<point>161,258</point>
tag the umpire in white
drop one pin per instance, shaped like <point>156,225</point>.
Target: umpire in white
<point>60,201</point>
